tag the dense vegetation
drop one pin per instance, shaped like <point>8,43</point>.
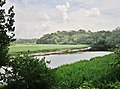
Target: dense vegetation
<point>97,72</point>
<point>28,73</point>
<point>23,48</point>
<point>64,37</point>
<point>101,40</point>
<point>25,41</point>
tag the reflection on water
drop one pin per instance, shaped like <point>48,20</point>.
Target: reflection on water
<point>58,60</point>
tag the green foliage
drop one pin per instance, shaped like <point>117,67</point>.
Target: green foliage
<point>64,37</point>
<point>96,70</point>
<point>100,40</point>
<point>28,73</point>
<point>111,85</point>
<point>6,28</point>
<point>116,64</point>
<point>116,85</point>
<point>1,86</point>
<point>87,85</point>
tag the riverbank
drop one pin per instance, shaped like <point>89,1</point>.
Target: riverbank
<point>60,52</point>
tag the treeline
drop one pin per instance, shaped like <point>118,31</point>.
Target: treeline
<point>26,41</point>
<point>100,40</point>
<point>65,37</point>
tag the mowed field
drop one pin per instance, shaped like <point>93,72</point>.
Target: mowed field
<point>42,47</point>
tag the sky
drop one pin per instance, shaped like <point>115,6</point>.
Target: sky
<point>34,18</point>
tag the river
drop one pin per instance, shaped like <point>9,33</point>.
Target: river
<point>61,59</point>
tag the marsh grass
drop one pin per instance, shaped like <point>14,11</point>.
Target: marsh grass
<point>23,48</point>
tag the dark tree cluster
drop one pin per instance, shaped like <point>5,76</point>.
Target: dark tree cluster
<point>100,40</point>
<point>65,37</point>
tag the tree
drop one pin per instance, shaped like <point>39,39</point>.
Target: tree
<point>6,31</point>
<point>101,40</point>
<point>28,73</point>
<point>21,72</point>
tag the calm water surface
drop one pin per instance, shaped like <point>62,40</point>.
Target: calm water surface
<point>58,60</point>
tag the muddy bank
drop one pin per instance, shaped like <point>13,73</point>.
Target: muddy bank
<point>60,52</point>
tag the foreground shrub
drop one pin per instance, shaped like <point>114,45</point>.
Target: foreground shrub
<point>28,73</point>
<point>87,85</point>
<point>116,64</point>
<point>97,70</point>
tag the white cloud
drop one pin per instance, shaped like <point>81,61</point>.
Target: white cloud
<point>46,16</point>
<point>63,9</point>
<point>40,17</point>
<point>82,1</point>
<point>109,4</point>
<point>93,12</point>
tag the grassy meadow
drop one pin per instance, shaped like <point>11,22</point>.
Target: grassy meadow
<point>22,48</point>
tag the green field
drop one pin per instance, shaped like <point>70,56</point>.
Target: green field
<point>42,47</point>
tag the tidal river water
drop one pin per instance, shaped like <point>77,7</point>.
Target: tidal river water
<point>61,59</point>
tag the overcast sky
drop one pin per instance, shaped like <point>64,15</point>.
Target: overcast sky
<point>37,17</point>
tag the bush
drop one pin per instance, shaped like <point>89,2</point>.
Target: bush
<point>1,86</point>
<point>96,70</point>
<point>87,85</point>
<point>28,73</point>
<point>116,64</point>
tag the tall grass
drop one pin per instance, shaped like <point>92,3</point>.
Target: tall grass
<point>96,70</point>
<point>42,47</point>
